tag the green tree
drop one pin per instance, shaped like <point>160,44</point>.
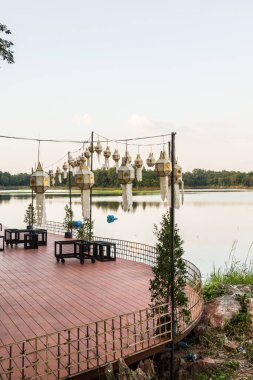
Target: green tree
<point>6,54</point>
<point>30,218</point>
<point>67,222</point>
<point>161,284</point>
<point>85,231</point>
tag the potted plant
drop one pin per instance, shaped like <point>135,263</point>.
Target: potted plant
<point>30,218</point>
<point>67,222</point>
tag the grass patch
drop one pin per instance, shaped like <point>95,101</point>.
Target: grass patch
<point>234,273</point>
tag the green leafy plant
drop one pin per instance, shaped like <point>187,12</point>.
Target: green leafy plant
<point>85,231</point>
<point>67,222</point>
<point>161,284</point>
<point>6,54</point>
<point>30,217</point>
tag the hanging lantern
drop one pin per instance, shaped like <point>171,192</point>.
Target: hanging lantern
<point>116,158</point>
<point>65,170</point>
<point>179,181</point>
<point>163,169</point>
<point>107,155</point>
<point>51,175</point>
<point>87,154</point>
<point>128,157</point>
<point>126,176</point>
<point>58,173</point>
<point>84,179</point>
<point>150,160</point>
<point>91,148</point>
<point>82,159</point>
<point>98,149</point>
<point>138,163</point>
<point>39,183</point>
<point>71,162</point>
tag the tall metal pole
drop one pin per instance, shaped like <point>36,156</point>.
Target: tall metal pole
<point>91,168</point>
<point>70,195</point>
<point>172,233</point>
<point>32,204</point>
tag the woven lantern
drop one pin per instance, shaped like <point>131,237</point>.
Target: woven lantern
<point>71,163</point>
<point>39,183</point>
<point>163,169</point>
<point>65,170</point>
<point>91,148</point>
<point>87,154</point>
<point>150,160</point>
<point>179,181</point>
<point>126,176</point>
<point>107,155</point>
<point>84,179</point>
<point>98,150</point>
<point>138,164</point>
<point>128,157</point>
<point>58,174</point>
<point>116,158</point>
<point>82,159</point>
<point>51,176</point>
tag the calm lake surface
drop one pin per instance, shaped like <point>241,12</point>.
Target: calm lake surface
<point>211,223</point>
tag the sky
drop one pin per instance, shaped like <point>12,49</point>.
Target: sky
<point>129,69</point>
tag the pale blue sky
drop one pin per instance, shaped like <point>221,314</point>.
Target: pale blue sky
<point>130,68</point>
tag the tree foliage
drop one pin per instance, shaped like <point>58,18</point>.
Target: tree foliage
<point>30,216</point>
<point>68,220</point>
<point>161,284</point>
<point>6,54</point>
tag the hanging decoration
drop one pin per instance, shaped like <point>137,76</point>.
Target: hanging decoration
<point>71,162</point>
<point>150,160</point>
<point>107,155</point>
<point>39,183</point>
<point>128,157</point>
<point>84,179</point>
<point>116,158</point>
<point>58,174</point>
<point>87,154</point>
<point>179,181</point>
<point>98,150</point>
<point>91,148</point>
<point>82,159</point>
<point>126,176</point>
<point>51,175</point>
<point>138,164</point>
<point>65,170</point>
<point>163,169</point>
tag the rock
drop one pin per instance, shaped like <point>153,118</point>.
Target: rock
<point>250,313</point>
<point>217,312</point>
<point>193,369</point>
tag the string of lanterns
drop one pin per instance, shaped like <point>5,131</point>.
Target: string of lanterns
<point>80,167</point>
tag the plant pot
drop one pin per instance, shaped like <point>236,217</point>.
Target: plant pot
<point>30,227</point>
<point>68,234</point>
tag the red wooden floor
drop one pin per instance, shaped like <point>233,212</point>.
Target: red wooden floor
<point>39,295</point>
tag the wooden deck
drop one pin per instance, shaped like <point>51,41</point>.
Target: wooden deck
<point>84,308</point>
<point>39,296</point>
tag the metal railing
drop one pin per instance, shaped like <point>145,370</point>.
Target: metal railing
<point>79,349</point>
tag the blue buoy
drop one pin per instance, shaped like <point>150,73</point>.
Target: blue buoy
<point>76,223</point>
<point>111,218</point>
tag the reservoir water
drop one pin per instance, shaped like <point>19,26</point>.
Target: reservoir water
<point>212,223</point>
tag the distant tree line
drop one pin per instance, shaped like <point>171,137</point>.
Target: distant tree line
<point>108,178</point>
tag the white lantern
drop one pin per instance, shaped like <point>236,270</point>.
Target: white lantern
<point>163,169</point>
<point>126,176</point>
<point>84,179</point>
<point>107,155</point>
<point>116,158</point>
<point>138,164</point>
<point>87,154</point>
<point>51,175</point>
<point>150,160</point>
<point>65,170</point>
<point>39,183</point>
<point>58,173</point>
<point>98,149</point>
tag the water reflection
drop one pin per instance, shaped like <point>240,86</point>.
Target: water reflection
<point>209,222</point>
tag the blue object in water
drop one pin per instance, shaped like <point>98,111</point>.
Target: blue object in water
<point>76,223</point>
<point>111,218</point>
